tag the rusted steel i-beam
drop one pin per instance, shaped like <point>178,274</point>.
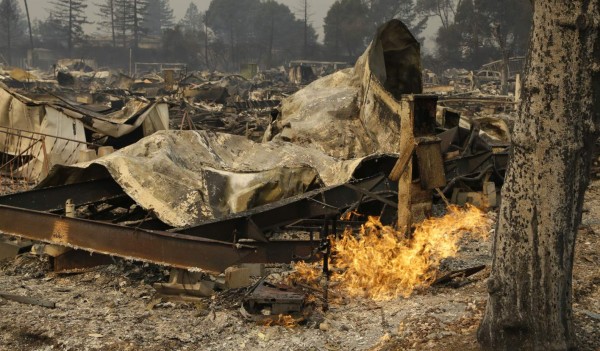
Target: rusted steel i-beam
<point>172,249</point>
<point>212,246</point>
<point>54,198</point>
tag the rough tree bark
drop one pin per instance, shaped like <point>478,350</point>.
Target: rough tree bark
<point>530,288</point>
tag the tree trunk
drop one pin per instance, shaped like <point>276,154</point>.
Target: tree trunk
<point>136,26</point>
<point>123,24</point>
<point>530,288</point>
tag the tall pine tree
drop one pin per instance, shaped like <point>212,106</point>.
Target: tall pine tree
<point>70,14</point>
<point>128,22</point>
<point>12,26</point>
<point>159,16</point>
<point>107,15</point>
<point>192,21</point>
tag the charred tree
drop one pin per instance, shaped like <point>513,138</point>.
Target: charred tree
<point>530,288</point>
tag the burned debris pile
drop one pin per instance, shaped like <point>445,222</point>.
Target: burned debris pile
<point>218,173</point>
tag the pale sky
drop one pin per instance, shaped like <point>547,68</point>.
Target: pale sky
<point>318,10</point>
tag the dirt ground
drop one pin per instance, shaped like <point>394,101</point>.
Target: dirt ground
<point>113,308</point>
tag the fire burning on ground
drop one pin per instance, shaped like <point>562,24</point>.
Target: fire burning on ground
<point>381,263</point>
<point>282,320</point>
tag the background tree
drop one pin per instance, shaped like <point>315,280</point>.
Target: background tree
<point>508,26</point>
<point>12,26</point>
<point>530,287</point>
<point>346,29</point>
<point>233,23</point>
<point>179,45</point>
<point>71,17</point>
<point>49,33</point>
<point>107,14</point>
<point>381,11</point>
<point>279,31</point>
<point>122,21</point>
<point>129,19</point>
<point>305,18</point>
<point>191,36</point>
<point>192,21</point>
<point>484,31</point>
<point>158,16</point>
<point>135,20</point>
<point>444,10</point>
<point>31,46</point>
<point>451,48</point>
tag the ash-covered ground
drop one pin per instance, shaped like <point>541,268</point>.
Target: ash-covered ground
<point>113,308</point>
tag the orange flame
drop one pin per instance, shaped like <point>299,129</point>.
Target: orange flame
<point>282,320</point>
<point>382,263</point>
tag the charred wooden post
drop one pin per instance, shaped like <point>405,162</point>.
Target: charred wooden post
<point>417,120</point>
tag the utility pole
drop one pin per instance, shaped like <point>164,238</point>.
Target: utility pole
<point>70,28</point>
<point>135,24</point>
<point>206,39</point>
<point>112,23</point>
<point>30,34</point>
<point>305,53</point>
<point>8,15</point>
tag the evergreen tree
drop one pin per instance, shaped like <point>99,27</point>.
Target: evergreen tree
<point>139,10</point>
<point>158,16</point>
<point>265,32</point>
<point>107,14</point>
<point>444,10</point>
<point>192,21</point>
<point>484,31</point>
<point>381,11</point>
<point>347,29</point>
<point>12,26</point>
<point>49,33</point>
<point>129,18</point>
<point>71,17</point>
<point>280,35</point>
<point>233,23</point>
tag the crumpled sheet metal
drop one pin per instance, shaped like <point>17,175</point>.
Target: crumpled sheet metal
<point>326,131</point>
<point>114,124</point>
<point>354,112</point>
<point>187,177</point>
<point>56,118</point>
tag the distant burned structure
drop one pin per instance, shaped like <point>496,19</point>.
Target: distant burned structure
<point>38,131</point>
